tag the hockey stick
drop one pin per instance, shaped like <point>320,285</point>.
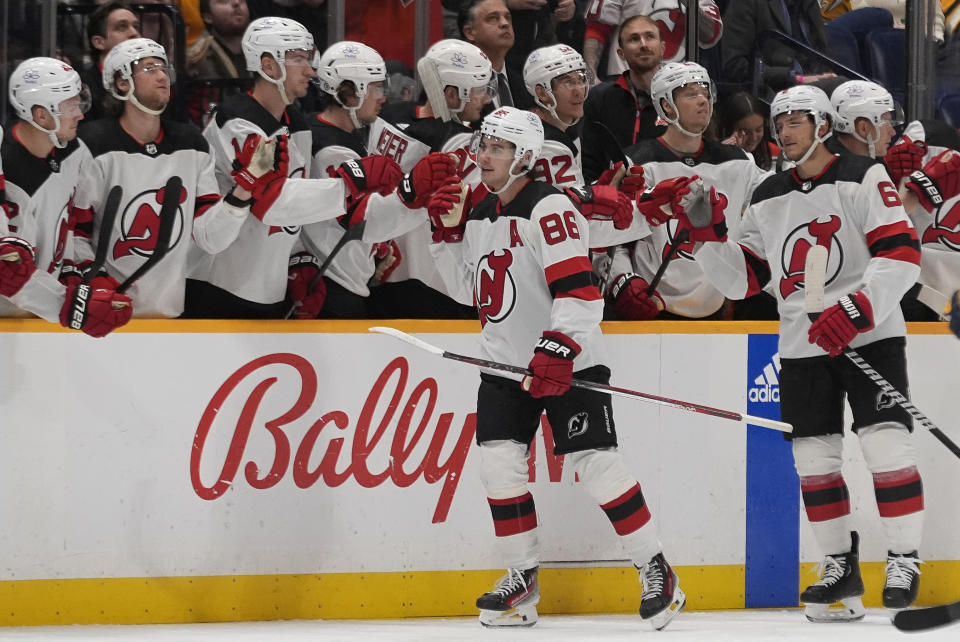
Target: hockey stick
<point>936,301</point>
<point>168,219</point>
<point>110,210</point>
<point>589,385</point>
<point>615,154</point>
<point>352,233</point>
<point>814,277</point>
<point>927,618</point>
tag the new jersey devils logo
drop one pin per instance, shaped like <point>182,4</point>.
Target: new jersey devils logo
<point>61,230</point>
<point>140,223</point>
<point>496,292</point>
<point>799,242</point>
<point>945,229</point>
<point>673,26</point>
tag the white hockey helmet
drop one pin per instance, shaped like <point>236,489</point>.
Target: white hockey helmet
<point>672,76</point>
<point>45,82</point>
<point>806,99</point>
<point>545,64</point>
<point>121,59</point>
<point>856,99</point>
<point>522,128</point>
<point>274,37</point>
<point>454,63</point>
<point>350,61</point>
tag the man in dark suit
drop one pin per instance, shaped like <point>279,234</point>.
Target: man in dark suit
<point>489,25</point>
<point>781,67</point>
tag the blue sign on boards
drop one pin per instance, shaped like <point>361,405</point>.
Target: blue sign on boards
<point>773,490</point>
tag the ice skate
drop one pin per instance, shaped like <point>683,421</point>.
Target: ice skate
<point>903,580</point>
<point>661,599</point>
<point>839,581</point>
<point>514,600</point>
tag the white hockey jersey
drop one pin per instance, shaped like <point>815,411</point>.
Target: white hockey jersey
<point>385,216</point>
<point>604,18</point>
<point>142,170</point>
<point>852,209</point>
<point>254,266</point>
<point>39,193</point>
<point>525,266</point>
<point>685,288</point>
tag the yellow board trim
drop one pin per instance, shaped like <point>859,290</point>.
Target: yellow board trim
<point>338,595</point>
<point>219,326</point>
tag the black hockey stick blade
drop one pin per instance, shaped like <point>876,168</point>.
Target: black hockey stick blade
<point>763,422</point>
<point>927,618</point>
<point>936,301</point>
<point>106,230</point>
<point>168,219</point>
<point>814,276</point>
<point>610,145</point>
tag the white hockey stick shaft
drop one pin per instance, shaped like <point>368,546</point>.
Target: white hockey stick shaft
<point>814,277</point>
<point>763,422</point>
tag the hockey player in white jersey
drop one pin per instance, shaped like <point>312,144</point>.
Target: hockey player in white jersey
<point>867,118</point>
<point>848,205</point>
<point>249,278</point>
<point>140,153</point>
<point>522,256</point>
<point>44,163</point>
<point>353,75</point>
<point>604,18</point>
<point>683,95</point>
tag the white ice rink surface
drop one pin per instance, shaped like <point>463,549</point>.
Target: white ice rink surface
<point>769,626</point>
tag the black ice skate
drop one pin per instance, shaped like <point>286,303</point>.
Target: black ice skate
<point>661,598</point>
<point>839,581</point>
<point>514,600</point>
<point>903,580</point>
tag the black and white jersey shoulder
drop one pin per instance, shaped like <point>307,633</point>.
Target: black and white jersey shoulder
<point>559,162</point>
<point>391,139</point>
<point>727,168</point>
<point>526,267</point>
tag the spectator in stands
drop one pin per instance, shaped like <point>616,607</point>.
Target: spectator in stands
<point>218,53</point>
<point>743,121</point>
<point>488,24</point>
<point>603,17</point>
<point>624,104</point>
<point>535,25</point>
<point>110,24</point>
<point>780,66</point>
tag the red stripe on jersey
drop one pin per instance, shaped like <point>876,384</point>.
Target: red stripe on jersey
<point>203,203</point>
<point>514,515</point>
<point>628,513</point>
<point>81,221</point>
<point>899,492</point>
<point>567,267</point>
<point>825,498</point>
<point>897,241</point>
<point>758,271</point>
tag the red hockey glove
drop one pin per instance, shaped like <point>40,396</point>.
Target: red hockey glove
<point>94,311</point>
<point>612,176</point>
<point>938,181</point>
<point>552,365</point>
<point>302,269</point>
<point>904,158</point>
<point>603,203</point>
<point>656,203</point>
<point>16,264</point>
<point>633,182</point>
<point>387,258</point>
<point>369,174</point>
<point>840,323</point>
<point>705,221</point>
<point>258,159</point>
<point>429,174</point>
<point>631,301</point>
<point>448,212</point>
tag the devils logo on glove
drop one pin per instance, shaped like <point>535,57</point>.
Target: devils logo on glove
<point>798,243</point>
<point>496,292</point>
<point>141,220</point>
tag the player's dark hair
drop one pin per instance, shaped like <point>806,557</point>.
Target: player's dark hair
<point>97,22</point>
<point>736,108</point>
<point>629,21</point>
